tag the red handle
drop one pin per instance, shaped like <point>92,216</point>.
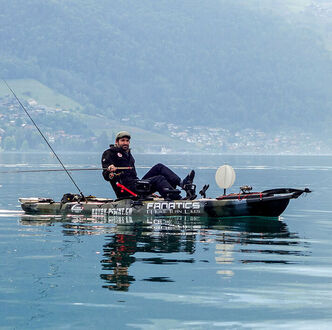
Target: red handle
<point>126,189</point>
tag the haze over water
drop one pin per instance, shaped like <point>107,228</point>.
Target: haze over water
<point>184,272</point>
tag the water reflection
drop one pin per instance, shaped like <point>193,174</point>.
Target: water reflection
<point>158,236</point>
<point>181,240</point>
<point>118,256</point>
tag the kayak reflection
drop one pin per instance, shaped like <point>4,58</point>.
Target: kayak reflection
<point>158,238</point>
<point>180,240</point>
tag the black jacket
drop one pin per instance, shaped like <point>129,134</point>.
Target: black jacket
<point>119,158</point>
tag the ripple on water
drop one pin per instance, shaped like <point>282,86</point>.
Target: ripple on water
<point>10,213</point>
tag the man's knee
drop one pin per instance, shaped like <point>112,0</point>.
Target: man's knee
<point>158,179</point>
<point>158,166</point>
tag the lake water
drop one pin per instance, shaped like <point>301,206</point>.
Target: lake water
<point>179,273</point>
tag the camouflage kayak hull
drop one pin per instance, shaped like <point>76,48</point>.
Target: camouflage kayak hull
<point>269,203</point>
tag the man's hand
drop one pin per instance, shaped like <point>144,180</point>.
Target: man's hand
<point>111,168</point>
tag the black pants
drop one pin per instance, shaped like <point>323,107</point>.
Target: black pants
<point>162,178</point>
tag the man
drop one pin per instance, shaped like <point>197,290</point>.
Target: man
<point>160,177</point>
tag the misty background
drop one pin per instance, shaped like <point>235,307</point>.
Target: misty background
<point>195,76</point>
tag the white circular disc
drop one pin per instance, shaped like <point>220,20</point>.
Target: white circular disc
<point>225,176</point>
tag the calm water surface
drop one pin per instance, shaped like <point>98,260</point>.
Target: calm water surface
<point>167,273</point>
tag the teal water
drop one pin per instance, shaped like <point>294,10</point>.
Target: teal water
<point>159,273</point>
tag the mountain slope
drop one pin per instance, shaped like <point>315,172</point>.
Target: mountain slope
<point>212,62</point>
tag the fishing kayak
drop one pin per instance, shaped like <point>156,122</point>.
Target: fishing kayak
<point>268,203</point>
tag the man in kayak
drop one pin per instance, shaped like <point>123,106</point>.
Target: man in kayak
<point>160,177</point>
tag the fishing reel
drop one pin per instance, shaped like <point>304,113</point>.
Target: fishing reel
<point>113,175</point>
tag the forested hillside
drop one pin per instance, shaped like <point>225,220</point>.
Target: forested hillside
<point>214,63</point>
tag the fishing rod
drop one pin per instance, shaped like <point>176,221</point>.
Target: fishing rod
<point>68,169</point>
<point>57,157</point>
